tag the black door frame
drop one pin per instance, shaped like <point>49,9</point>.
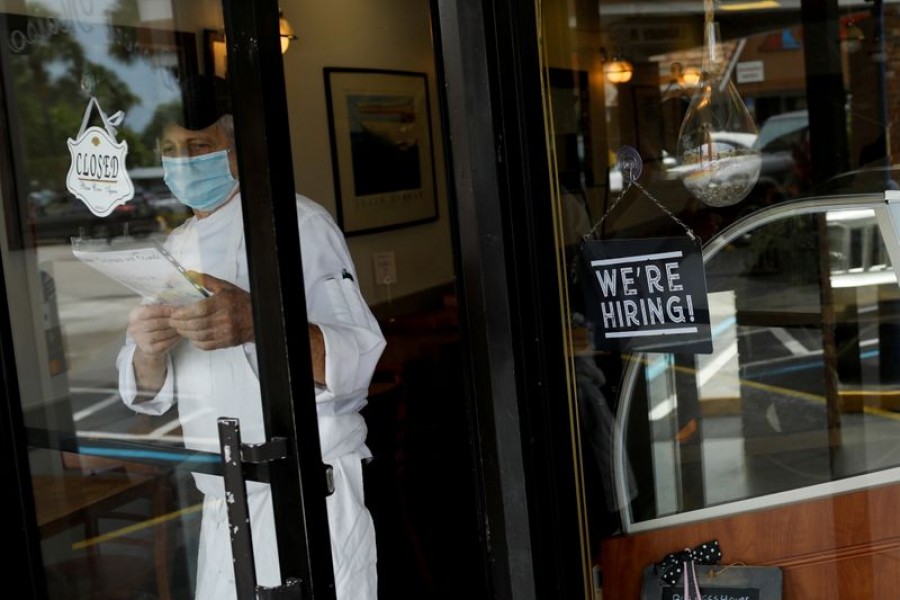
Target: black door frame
<point>508,277</point>
<point>273,255</point>
<point>15,468</point>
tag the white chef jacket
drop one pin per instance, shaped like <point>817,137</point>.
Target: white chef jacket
<point>207,385</point>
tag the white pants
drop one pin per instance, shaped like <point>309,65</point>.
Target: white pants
<point>351,531</point>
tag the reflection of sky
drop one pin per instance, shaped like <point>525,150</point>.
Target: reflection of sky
<point>152,86</point>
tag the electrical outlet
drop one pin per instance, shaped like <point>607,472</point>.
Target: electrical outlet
<point>385,268</point>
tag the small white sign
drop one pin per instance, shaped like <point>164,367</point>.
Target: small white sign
<point>97,175</point>
<point>751,71</point>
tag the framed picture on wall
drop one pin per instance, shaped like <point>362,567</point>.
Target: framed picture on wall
<point>381,148</point>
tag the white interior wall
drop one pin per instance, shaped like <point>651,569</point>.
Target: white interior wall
<point>388,34</point>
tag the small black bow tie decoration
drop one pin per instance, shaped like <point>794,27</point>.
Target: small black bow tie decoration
<point>671,567</point>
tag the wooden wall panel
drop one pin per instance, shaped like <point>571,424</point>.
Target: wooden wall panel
<point>845,547</point>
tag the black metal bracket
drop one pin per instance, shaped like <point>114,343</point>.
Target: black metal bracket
<point>234,456</point>
<point>274,449</point>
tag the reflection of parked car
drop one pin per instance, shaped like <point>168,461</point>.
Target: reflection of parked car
<point>149,187</point>
<point>57,215</point>
<point>784,162</point>
<point>724,141</point>
<point>780,139</point>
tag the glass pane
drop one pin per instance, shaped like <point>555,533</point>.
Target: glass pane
<point>793,402</point>
<point>91,89</point>
<point>368,146</point>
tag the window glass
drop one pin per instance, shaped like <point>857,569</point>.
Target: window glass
<point>793,404</point>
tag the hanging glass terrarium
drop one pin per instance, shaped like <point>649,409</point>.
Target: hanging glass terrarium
<point>715,170</point>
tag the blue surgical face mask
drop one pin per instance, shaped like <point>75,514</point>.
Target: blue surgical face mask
<point>202,182</point>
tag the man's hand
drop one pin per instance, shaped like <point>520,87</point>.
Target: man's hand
<point>223,320</point>
<point>149,326</point>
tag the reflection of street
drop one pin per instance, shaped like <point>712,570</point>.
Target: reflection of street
<point>763,395</point>
<point>93,312</point>
<point>773,437</point>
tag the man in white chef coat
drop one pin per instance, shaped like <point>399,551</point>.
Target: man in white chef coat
<point>202,356</point>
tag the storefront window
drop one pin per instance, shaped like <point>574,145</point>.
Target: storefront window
<point>792,408</point>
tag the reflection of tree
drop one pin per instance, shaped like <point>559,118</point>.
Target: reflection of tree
<point>168,112</point>
<point>47,81</point>
<point>123,41</point>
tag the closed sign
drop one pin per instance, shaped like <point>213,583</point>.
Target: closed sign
<point>97,174</point>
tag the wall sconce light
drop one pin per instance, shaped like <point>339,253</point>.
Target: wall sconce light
<point>618,70</point>
<point>685,77</point>
<point>286,32</point>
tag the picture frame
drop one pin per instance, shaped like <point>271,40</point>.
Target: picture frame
<point>382,149</point>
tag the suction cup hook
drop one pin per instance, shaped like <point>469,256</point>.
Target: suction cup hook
<point>630,163</point>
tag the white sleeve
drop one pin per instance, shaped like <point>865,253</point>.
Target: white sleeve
<point>353,339</point>
<point>163,400</point>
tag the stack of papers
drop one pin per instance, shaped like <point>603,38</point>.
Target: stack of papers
<point>144,267</point>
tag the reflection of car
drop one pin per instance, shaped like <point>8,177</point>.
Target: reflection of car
<point>783,131</point>
<point>780,137</point>
<point>149,187</point>
<point>724,141</point>
<point>720,170</point>
<point>735,138</point>
<point>56,215</point>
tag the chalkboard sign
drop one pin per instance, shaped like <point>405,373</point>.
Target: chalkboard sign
<point>719,582</point>
<point>646,295</point>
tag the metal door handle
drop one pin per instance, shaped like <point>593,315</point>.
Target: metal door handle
<point>234,456</point>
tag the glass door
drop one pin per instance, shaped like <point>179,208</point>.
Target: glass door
<point>138,228</point>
